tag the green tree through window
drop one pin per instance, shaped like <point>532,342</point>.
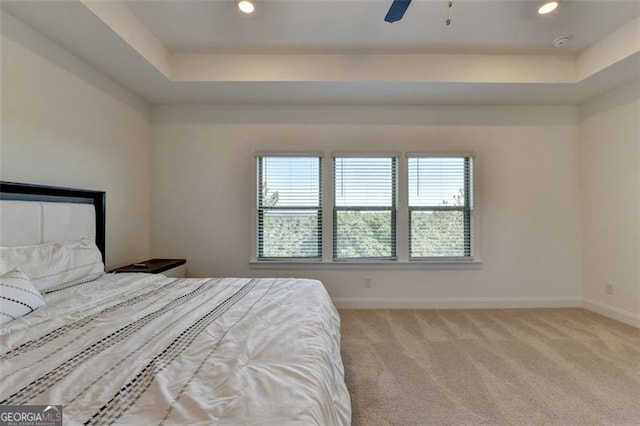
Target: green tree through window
<point>440,204</point>
<point>364,193</point>
<point>440,207</point>
<point>289,207</point>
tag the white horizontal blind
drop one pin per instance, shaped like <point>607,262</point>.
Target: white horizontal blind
<point>364,213</point>
<point>440,207</point>
<point>289,207</point>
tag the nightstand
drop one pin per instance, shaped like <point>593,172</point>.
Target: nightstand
<point>175,268</point>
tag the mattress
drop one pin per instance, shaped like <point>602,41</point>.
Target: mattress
<point>145,349</point>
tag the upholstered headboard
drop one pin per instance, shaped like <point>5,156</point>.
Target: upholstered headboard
<point>33,214</point>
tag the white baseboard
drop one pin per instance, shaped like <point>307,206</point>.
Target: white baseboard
<point>457,302</point>
<point>612,312</point>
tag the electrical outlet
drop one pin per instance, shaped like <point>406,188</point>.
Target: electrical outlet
<point>608,288</point>
<point>367,282</point>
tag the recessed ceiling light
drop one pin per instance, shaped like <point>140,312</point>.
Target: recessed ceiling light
<point>547,7</point>
<point>246,6</point>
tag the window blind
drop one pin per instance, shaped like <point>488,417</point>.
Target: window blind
<point>289,207</point>
<point>364,213</point>
<point>440,207</point>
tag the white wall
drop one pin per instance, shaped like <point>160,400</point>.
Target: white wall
<point>610,172</point>
<point>65,124</point>
<point>202,169</point>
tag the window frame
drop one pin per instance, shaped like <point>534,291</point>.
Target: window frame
<point>468,208</point>
<point>393,208</point>
<point>402,260</point>
<point>259,210</point>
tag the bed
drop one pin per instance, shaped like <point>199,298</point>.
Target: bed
<point>146,349</point>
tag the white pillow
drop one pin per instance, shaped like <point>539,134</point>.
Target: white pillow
<point>18,297</point>
<point>57,265</point>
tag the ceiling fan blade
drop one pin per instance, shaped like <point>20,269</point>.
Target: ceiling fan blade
<point>397,10</point>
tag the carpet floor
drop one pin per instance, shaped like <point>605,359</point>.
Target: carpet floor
<point>494,367</point>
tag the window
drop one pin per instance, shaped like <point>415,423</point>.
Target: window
<point>289,211</point>
<point>364,208</point>
<point>440,207</point>
<point>386,210</point>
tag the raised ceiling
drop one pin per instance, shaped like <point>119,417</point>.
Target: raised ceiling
<point>342,52</point>
<point>357,26</point>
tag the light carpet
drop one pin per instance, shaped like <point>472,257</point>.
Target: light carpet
<point>497,367</point>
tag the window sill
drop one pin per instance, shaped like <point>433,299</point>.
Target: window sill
<point>373,264</point>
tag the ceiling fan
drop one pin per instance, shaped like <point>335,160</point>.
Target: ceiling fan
<point>399,7</point>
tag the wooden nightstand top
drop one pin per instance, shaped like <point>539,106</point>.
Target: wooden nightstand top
<point>153,266</point>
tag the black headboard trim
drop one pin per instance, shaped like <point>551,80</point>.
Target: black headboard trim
<point>54,194</point>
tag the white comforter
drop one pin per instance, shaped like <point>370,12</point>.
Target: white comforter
<point>143,349</point>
